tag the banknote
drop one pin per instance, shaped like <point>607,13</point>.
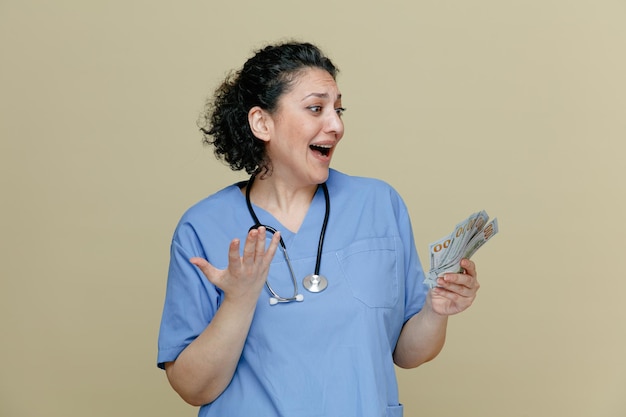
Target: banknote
<point>450,246</point>
<point>466,238</point>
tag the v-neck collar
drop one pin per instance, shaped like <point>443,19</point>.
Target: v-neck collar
<point>311,224</point>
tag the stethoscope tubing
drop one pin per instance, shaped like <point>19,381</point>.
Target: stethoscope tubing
<point>257,223</point>
<point>277,297</point>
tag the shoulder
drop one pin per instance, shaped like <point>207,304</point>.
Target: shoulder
<point>356,185</point>
<point>365,195</point>
<point>341,179</point>
<point>212,206</point>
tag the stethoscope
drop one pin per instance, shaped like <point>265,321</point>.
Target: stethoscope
<point>312,282</point>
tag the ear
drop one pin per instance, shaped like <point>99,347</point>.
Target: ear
<point>259,121</point>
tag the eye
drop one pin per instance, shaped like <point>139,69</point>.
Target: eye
<point>340,111</point>
<point>315,109</point>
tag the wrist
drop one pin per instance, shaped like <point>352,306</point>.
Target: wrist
<point>430,312</point>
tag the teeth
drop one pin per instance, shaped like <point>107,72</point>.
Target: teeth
<point>323,149</point>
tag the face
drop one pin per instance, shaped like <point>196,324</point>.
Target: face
<point>305,129</point>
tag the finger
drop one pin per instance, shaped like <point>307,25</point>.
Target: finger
<point>209,271</point>
<point>461,283</point>
<point>470,271</point>
<point>260,243</point>
<point>234,260</point>
<point>469,266</point>
<point>445,293</point>
<point>456,278</point>
<point>458,301</point>
<point>249,247</point>
<point>199,262</point>
<point>456,283</point>
<point>271,250</point>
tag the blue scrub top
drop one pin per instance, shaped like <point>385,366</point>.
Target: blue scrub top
<point>330,355</point>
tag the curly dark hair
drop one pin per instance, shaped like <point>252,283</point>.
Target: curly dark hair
<point>262,80</point>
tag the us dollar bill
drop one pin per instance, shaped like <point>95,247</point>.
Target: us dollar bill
<point>466,238</point>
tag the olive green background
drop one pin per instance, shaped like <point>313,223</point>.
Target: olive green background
<point>515,107</point>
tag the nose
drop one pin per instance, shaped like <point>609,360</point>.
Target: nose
<point>334,125</point>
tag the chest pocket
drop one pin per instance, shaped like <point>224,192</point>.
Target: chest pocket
<point>372,271</point>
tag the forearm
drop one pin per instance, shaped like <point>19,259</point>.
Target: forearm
<point>205,368</point>
<point>422,338</point>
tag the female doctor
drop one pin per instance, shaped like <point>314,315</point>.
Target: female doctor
<point>296,292</point>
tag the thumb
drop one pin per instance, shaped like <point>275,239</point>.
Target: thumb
<point>207,269</point>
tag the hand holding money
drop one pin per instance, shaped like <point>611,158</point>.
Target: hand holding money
<point>468,236</point>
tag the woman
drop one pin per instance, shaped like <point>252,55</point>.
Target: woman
<point>324,345</point>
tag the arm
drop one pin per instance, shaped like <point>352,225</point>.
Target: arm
<point>423,335</point>
<point>205,368</point>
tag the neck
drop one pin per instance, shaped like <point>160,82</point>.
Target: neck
<point>286,202</point>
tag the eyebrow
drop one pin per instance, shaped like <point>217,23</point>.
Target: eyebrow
<point>320,95</point>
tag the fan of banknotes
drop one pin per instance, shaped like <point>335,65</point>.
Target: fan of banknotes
<point>467,237</point>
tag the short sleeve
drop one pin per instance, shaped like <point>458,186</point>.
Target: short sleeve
<point>415,289</point>
<point>190,300</point>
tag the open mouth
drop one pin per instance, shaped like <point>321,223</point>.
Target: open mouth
<point>322,149</point>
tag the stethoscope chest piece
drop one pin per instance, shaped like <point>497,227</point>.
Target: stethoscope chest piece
<point>315,283</point>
